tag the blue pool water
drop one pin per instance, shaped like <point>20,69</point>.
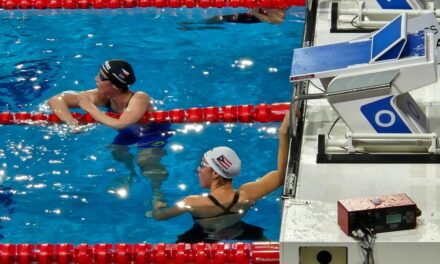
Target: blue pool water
<point>55,185</point>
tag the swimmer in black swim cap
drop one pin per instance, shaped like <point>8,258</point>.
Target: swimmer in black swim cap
<point>119,72</point>
<point>112,91</point>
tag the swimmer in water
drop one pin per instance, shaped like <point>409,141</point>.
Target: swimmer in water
<point>113,92</point>
<point>217,216</point>
<point>255,15</point>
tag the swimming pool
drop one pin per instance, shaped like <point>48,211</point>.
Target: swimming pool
<point>55,185</point>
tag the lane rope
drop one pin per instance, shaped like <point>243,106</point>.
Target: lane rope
<point>122,253</point>
<point>100,4</point>
<point>214,114</point>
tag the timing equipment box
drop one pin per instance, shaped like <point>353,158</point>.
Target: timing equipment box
<point>383,214</point>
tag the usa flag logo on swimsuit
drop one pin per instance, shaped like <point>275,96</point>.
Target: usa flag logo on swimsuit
<point>224,162</point>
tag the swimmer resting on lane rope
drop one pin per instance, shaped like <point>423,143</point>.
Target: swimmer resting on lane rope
<point>217,216</point>
<point>113,92</point>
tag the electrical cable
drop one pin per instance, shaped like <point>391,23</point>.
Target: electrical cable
<point>333,125</point>
<point>353,23</point>
<point>366,237</point>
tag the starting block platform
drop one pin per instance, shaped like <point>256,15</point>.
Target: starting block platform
<point>367,80</point>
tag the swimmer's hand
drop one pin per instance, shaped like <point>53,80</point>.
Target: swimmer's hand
<point>73,126</point>
<point>76,128</point>
<point>79,128</point>
<point>148,214</point>
<point>157,206</point>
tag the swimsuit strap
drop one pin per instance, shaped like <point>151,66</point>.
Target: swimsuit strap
<point>217,203</point>
<point>132,93</point>
<point>212,198</point>
<point>234,201</point>
<point>109,103</point>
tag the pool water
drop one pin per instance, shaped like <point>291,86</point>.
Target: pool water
<point>56,186</point>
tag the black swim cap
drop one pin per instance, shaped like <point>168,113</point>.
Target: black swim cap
<point>119,72</point>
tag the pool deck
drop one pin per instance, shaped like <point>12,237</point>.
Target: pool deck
<point>310,218</point>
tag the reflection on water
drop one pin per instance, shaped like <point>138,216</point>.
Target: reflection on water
<point>25,81</point>
<point>56,187</point>
<point>6,200</point>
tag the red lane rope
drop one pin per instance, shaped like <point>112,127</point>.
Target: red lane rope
<point>98,4</point>
<point>237,253</point>
<point>230,113</point>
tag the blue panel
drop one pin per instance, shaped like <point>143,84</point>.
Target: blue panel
<point>415,45</point>
<point>329,57</point>
<point>394,4</point>
<point>393,53</point>
<point>385,37</point>
<point>317,59</point>
<point>382,116</point>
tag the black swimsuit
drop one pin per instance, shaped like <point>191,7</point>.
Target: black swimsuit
<point>226,210</point>
<point>246,231</point>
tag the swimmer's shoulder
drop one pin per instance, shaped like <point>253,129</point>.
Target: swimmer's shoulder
<point>245,197</point>
<point>196,200</point>
<point>138,95</point>
<point>99,99</point>
<point>141,99</point>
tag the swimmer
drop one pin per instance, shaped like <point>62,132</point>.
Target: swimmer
<point>113,92</point>
<point>269,15</point>
<point>218,215</point>
<point>255,15</point>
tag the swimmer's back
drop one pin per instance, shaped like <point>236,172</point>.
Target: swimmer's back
<point>213,218</point>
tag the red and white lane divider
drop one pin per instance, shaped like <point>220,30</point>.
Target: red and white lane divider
<point>214,114</point>
<point>219,253</point>
<point>99,4</point>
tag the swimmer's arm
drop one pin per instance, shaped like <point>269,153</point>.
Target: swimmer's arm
<point>61,104</point>
<point>139,104</point>
<point>269,15</point>
<point>274,179</point>
<point>179,208</point>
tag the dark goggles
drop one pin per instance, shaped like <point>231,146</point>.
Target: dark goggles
<point>203,164</point>
<point>102,77</point>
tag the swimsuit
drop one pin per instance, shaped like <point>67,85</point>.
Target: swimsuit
<point>239,18</point>
<point>151,135</point>
<point>247,232</point>
<point>238,231</point>
<point>226,210</point>
<point>109,103</point>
